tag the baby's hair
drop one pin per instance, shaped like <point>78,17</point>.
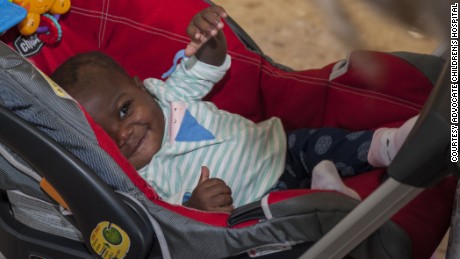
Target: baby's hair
<point>84,68</point>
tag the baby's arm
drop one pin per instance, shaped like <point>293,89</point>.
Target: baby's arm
<point>208,42</point>
<point>211,194</point>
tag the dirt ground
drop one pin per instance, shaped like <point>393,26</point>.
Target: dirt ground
<point>295,33</point>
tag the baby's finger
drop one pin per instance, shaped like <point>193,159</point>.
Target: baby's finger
<point>213,18</point>
<point>193,32</point>
<point>219,10</point>
<point>223,200</point>
<point>209,21</point>
<point>195,44</point>
<point>204,174</point>
<point>195,40</point>
<point>226,209</point>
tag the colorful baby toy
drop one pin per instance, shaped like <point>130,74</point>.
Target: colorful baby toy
<point>10,15</point>
<point>42,18</point>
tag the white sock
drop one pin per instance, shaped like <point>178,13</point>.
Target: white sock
<point>386,143</point>
<point>326,177</point>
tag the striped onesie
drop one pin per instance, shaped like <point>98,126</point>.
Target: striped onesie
<point>248,157</point>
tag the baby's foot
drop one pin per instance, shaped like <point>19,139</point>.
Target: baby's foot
<point>386,143</point>
<point>326,177</point>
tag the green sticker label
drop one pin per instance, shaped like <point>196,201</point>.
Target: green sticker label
<point>109,241</point>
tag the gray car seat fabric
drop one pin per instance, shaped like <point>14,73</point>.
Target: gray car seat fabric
<point>28,94</point>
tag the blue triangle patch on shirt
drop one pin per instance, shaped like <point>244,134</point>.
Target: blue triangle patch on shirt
<point>191,130</point>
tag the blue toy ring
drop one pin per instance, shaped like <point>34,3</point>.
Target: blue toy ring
<point>180,54</point>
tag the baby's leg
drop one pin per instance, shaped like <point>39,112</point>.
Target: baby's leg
<point>348,150</point>
<point>326,177</point>
<point>386,143</point>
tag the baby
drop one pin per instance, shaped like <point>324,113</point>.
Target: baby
<point>177,142</point>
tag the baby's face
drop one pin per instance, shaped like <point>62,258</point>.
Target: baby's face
<point>130,115</point>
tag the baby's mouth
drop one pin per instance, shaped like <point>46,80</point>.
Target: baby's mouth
<point>139,145</point>
<point>135,144</point>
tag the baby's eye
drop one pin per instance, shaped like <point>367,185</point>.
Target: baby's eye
<point>124,109</point>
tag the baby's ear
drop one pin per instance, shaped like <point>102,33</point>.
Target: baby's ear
<point>139,83</point>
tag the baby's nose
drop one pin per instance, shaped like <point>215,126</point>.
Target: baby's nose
<point>123,135</point>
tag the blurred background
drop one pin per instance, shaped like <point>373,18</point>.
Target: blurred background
<point>298,34</point>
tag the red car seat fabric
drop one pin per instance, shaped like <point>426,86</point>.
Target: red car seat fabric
<point>377,89</point>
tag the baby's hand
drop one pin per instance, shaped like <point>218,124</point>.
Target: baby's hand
<point>211,194</point>
<point>204,25</point>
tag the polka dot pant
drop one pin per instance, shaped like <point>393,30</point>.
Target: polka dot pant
<point>307,147</point>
